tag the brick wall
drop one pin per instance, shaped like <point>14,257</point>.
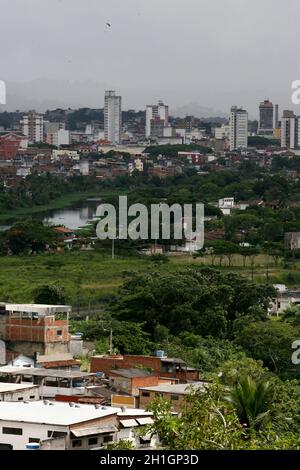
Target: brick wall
<point>43,330</point>
<point>105,364</point>
<point>176,405</point>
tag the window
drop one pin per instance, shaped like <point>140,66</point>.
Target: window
<point>59,332</point>
<point>20,399</point>
<point>15,431</point>
<point>76,443</point>
<point>34,439</point>
<point>51,382</point>
<point>146,394</point>
<point>6,447</point>
<point>54,434</point>
<point>107,438</point>
<point>32,397</point>
<point>92,441</point>
<point>174,397</point>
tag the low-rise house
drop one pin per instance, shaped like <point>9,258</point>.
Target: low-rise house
<point>65,235</point>
<point>226,205</point>
<point>164,367</point>
<point>57,426</point>
<point>70,426</point>
<point>292,240</point>
<point>64,361</point>
<point>18,360</point>
<point>284,299</point>
<point>130,423</point>
<point>53,382</point>
<point>19,392</point>
<point>173,393</point>
<point>130,380</point>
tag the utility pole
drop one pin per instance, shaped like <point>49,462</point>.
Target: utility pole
<point>111,342</point>
<point>113,249</point>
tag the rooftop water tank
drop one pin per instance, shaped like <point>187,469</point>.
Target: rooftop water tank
<point>160,353</point>
<point>33,446</point>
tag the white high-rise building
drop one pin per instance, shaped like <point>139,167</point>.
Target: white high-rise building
<point>290,131</point>
<point>61,137</point>
<point>222,132</point>
<point>112,117</point>
<point>154,113</point>
<point>238,128</point>
<point>33,127</point>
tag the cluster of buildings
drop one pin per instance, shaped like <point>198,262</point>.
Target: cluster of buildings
<point>47,402</point>
<point>120,148</point>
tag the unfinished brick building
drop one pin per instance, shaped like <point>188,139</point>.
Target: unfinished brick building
<point>30,328</point>
<point>161,366</point>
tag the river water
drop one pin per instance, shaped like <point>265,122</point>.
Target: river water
<point>73,217</point>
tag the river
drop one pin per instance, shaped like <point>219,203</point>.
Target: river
<point>74,216</point>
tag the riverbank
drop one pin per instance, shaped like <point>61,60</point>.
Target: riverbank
<point>56,204</point>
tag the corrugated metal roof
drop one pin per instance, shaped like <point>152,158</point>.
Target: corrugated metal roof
<point>128,423</point>
<point>8,387</point>
<point>178,389</point>
<point>81,432</point>
<point>172,360</point>
<point>131,373</point>
<point>144,421</point>
<point>31,371</point>
<point>54,357</point>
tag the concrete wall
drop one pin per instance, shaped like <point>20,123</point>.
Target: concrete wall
<point>30,430</point>
<point>29,349</point>
<point>28,394</point>
<point>40,432</point>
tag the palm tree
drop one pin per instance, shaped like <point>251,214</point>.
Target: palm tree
<point>252,401</point>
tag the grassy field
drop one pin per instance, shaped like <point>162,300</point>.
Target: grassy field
<point>91,277</point>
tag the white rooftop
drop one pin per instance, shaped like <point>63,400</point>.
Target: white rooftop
<point>8,387</point>
<point>38,308</point>
<point>59,413</point>
<point>177,389</point>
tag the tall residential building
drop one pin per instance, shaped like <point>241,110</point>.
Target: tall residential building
<point>222,132</point>
<point>154,113</point>
<point>290,130</point>
<point>238,128</point>
<point>112,117</point>
<point>33,127</point>
<point>266,118</point>
<point>276,116</point>
<point>61,137</point>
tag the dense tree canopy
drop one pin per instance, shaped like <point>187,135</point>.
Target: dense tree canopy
<point>202,301</point>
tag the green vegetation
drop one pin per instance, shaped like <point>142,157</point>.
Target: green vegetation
<point>216,320</point>
<point>258,141</point>
<point>50,294</point>
<point>92,277</point>
<point>202,301</point>
<point>246,416</point>
<point>172,150</point>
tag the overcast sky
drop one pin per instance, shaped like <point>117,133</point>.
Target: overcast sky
<point>208,52</point>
